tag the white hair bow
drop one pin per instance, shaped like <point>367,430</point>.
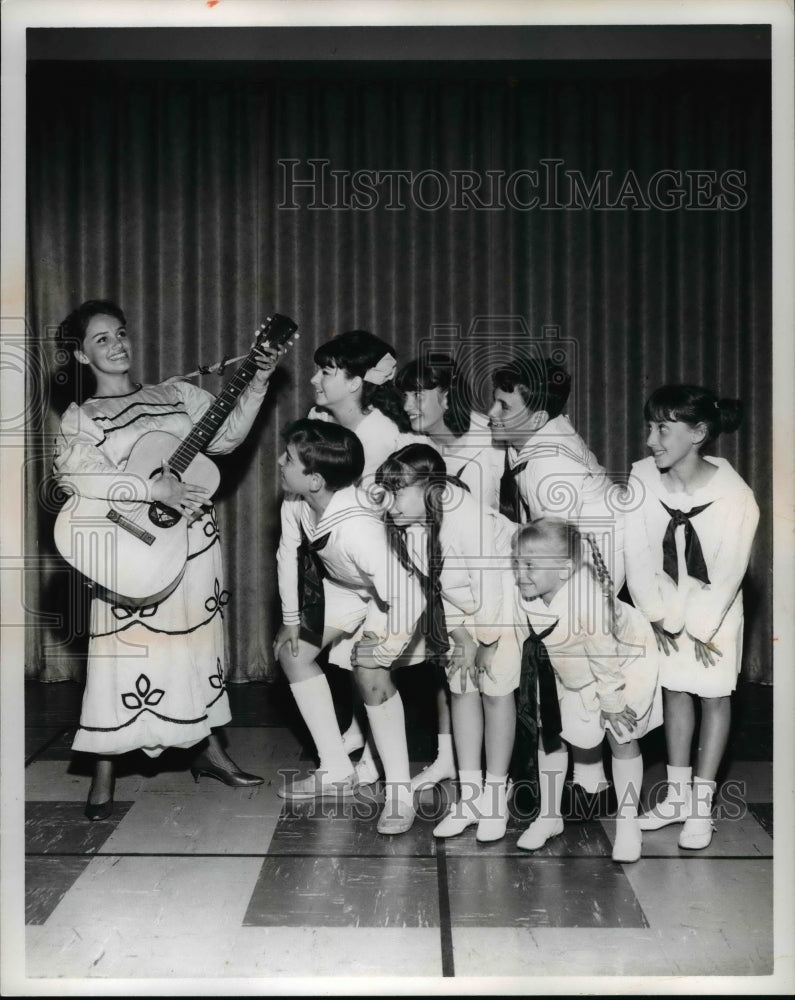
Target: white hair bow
<point>382,372</point>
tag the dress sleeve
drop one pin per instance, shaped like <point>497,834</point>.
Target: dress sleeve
<point>556,482</point>
<point>238,423</point>
<point>607,666</point>
<point>81,467</point>
<point>287,560</point>
<point>707,604</point>
<point>652,590</point>
<point>483,568</point>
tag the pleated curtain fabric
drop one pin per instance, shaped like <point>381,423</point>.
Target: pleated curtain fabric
<point>175,192</point>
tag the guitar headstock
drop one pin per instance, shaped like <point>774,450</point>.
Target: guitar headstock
<point>278,331</point>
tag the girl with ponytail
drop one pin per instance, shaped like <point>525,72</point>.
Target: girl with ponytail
<point>601,655</point>
<point>457,559</point>
<point>688,542</point>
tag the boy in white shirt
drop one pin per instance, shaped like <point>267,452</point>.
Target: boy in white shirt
<point>555,475</point>
<point>336,572</point>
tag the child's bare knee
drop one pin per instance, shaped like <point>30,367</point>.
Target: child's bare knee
<point>375,685</point>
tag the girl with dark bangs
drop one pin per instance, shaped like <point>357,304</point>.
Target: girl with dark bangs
<point>354,387</point>
<point>437,400</point>
<point>688,542</point>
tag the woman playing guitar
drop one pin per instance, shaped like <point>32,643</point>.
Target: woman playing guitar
<point>155,672</point>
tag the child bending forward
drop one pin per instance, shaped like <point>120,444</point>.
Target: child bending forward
<point>605,664</point>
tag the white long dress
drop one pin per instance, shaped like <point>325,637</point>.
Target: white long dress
<point>689,608</point>
<point>155,674</point>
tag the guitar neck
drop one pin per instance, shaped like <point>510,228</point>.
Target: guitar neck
<point>205,430</point>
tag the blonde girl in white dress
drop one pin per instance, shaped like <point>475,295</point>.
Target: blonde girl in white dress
<point>688,542</point>
<point>605,664</point>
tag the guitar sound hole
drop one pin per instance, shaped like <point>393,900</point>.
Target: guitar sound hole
<point>163,516</point>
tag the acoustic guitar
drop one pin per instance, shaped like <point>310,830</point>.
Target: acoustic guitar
<point>136,552</point>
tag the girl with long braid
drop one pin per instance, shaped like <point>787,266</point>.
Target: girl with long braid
<point>464,629</point>
<point>605,664</point>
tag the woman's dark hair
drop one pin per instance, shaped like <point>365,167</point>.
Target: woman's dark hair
<point>439,374</point>
<point>542,384</point>
<point>72,331</point>
<point>356,352</point>
<point>330,450</point>
<point>71,376</point>
<point>692,404</point>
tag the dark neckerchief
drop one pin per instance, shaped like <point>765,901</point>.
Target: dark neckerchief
<point>311,602</point>
<point>694,557</point>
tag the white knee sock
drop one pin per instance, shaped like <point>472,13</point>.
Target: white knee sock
<point>627,780</point>
<point>313,698</point>
<point>368,757</point>
<point>388,728</point>
<point>354,730</point>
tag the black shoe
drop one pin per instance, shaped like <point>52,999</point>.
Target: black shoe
<point>579,806</point>
<point>102,810</point>
<point>229,775</point>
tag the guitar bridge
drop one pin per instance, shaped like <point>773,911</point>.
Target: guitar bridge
<point>128,525</point>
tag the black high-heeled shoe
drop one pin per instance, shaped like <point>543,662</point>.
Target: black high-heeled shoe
<point>232,776</point>
<point>102,810</point>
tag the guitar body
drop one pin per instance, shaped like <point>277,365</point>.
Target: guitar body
<point>136,552</point>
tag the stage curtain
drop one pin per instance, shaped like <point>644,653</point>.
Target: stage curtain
<point>168,189</point>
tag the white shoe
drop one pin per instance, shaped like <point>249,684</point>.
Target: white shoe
<point>397,817</point>
<point>669,810</point>
<point>456,821</point>
<point>628,842</point>
<point>539,832</point>
<point>696,834</point>
<point>433,774</point>
<point>367,772</point>
<point>319,786</point>
<point>491,828</point>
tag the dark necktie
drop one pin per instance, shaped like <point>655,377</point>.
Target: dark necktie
<point>511,503</point>
<point>694,557</point>
<point>537,697</point>
<point>310,587</point>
